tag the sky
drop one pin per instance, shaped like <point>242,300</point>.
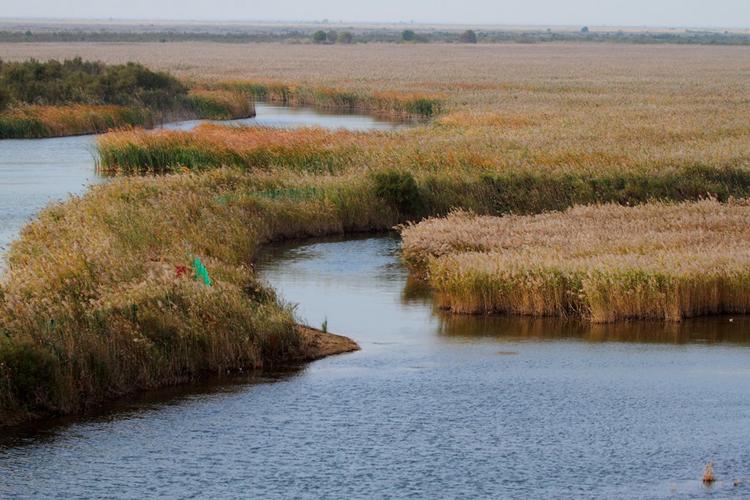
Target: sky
<point>664,13</point>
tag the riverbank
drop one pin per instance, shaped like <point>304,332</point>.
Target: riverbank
<point>76,97</point>
<point>95,304</point>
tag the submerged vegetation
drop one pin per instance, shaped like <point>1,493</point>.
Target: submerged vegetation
<point>44,99</point>
<point>96,301</point>
<point>602,263</point>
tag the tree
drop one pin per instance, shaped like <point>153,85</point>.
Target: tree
<point>468,36</point>
<point>408,35</point>
<point>585,29</point>
<point>346,37</point>
<point>332,36</point>
<point>320,37</point>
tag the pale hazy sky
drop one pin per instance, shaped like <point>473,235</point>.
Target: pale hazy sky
<point>709,13</point>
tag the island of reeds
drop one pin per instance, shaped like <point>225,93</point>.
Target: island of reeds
<point>96,301</point>
<point>602,263</point>
<point>73,97</point>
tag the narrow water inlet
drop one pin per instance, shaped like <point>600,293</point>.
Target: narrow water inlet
<point>36,172</point>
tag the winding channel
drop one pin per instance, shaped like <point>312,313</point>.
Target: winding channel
<point>433,406</point>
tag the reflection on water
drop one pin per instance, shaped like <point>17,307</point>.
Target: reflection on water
<point>699,330</point>
<point>270,115</point>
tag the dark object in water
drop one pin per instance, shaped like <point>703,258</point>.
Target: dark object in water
<point>708,474</point>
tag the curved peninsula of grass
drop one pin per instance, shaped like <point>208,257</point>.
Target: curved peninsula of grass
<point>74,97</point>
<point>602,263</point>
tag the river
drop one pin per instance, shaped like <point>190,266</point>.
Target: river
<point>433,406</point>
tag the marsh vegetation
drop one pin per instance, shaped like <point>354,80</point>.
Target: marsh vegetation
<point>93,306</point>
<point>73,96</point>
<point>663,261</point>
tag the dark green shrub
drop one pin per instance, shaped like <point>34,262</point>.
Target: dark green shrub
<point>468,36</point>
<point>346,37</point>
<point>408,35</point>
<point>399,190</point>
<point>31,371</point>
<point>422,106</point>
<point>319,37</point>
<point>75,81</point>
<point>4,99</point>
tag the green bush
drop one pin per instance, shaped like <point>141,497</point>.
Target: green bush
<point>4,99</point>
<point>399,190</point>
<point>346,37</point>
<point>468,36</point>
<point>319,37</point>
<point>75,81</point>
<point>31,371</point>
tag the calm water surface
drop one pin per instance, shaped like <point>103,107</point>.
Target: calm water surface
<point>36,172</point>
<point>432,407</point>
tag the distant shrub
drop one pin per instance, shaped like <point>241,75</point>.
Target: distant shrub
<point>332,36</point>
<point>408,35</point>
<point>585,29</point>
<point>399,190</point>
<point>346,37</point>
<point>468,36</point>
<point>320,37</point>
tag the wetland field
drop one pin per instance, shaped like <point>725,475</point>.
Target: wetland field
<point>565,316</point>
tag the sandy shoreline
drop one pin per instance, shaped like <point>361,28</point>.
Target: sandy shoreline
<point>319,344</point>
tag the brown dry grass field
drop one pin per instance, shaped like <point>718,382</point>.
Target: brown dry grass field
<point>580,105</point>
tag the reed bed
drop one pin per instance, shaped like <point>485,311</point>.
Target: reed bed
<point>94,303</point>
<point>210,146</point>
<point>26,122</point>
<point>217,104</point>
<point>604,263</point>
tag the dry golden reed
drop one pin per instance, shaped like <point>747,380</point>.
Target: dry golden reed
<point>603,263</point>
<point>76,119</point>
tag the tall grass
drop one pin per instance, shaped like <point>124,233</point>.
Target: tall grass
<point>211,146</point>
<point>93,304</point>
<point>53,121</point>
<point>603,263</point>
<point>220,104</point>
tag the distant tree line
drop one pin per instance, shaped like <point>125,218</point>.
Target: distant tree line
<point>409,35</point>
